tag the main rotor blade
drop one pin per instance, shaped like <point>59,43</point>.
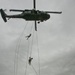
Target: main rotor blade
<point>35,26</point>
<point>53,12</point>
<point>16,10</point>
<point>34,4</point>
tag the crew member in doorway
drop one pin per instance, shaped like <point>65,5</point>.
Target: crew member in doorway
<point>28,36</point>
<point>30,59</point>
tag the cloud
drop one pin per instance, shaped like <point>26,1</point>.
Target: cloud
<point>56,38</point>
<point>63,64</point>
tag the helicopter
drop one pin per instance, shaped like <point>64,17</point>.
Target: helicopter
<point>29,14</point>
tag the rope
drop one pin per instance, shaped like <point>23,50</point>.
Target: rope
<point>32,43</point>
<point>27,59</point>
<point>17,51</point>
<point>38,52</point>
<point>34,70</point>
<point>28,53</point>
<point>31,28</point>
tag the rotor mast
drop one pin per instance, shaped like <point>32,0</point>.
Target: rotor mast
<point>34,7</point>
<point>34,4</point>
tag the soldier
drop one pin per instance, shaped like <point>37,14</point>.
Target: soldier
<point>28,36</point>
<point>30,59</point>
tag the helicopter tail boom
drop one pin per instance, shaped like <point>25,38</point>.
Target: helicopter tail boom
<point>3,14</point>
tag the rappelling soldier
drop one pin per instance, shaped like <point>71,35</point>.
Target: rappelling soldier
<point>29,61</point>
<point>28,36</point>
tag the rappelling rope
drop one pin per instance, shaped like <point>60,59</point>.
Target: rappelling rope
<point>28,54</point>
<point>38,52</point>
<point>31,51</point>
<point>17,52</point>
<point>32,42</point>
<point>38,55</point>
<point>27,60</point>
<point>34,69</point>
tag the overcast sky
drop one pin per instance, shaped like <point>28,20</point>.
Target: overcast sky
<point>56,39</point>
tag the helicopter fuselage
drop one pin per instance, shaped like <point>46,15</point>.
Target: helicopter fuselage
<point>32,15</point>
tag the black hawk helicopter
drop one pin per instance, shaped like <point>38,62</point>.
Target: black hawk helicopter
<point>29,15</point>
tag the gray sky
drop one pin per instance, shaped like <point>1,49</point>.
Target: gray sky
<point>56,38</point>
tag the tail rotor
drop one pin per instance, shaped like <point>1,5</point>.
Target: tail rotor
<point>3,15</point>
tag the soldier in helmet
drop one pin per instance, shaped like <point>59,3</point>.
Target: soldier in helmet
<point>30,59</point>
